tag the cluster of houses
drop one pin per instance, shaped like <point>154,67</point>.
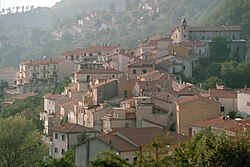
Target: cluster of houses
<point>122,99</point>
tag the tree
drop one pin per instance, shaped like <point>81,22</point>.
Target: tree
<point>19,143</point>
<point>219,50</point>
<point>112,7</point>
<point>109,159</point>
<point>209,149</point>
<point>211,82</point>
<point>66,161</point>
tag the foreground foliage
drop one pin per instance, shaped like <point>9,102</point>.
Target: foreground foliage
<point>19,143</point>
<point>206,148</point>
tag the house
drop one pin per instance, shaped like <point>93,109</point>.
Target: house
<point>65,137</point>
<point>124,142</point>
<point>90,53</point>
<point>50,116</point>
<point>175,65</point>
<point>8,74</point>
<point>163,45</point>
<point>199,48</point>
<point>226,97</point>
<point>220,124</point>
<point>139,67</point>
<point>207,33</point>
<point>46,71</point>
<point>119,60</point>
<point>180,50</point>
<point>243,102</point>
<point>84,77</point>
<point>104,90</point>
<point>67,110</point>
<point>193,109</point>
<point>93,115</point>
<point>118,118</point>
<point>126,88</point>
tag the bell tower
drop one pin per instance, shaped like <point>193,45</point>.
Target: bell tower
<point>184,31</point>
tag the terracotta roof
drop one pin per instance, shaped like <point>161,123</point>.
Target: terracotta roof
<point>193,43</point>
<point>148,74</point>
<point>44,61</point>
<point>24,96</point>
<point>141,136</point>
<point>214,28</point>
<point>91,49</point>
<point>188,99</point>
<point>148,85</point>
<point>71,128</point>
<point>219,122</point>
<point>105,82</point>
<point>98,71</point>
<point>222,93</point>
<point>247,90</point>
<point>166,38</point>
<point>141,63</point>
<point>52,96</point>
<point>117,143</point>
<point>68,103</point>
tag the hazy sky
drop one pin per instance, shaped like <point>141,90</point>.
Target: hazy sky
<point>41,3</point>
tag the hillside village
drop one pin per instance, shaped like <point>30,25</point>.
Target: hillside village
<point>122,99</point>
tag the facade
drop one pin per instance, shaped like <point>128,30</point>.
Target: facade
<point>90,53</point>
<point>104,90</point>
<point>193,109</point>
<point>50,116</point>
<point>207,33</point>
<point>65,137</point>
<point>44,71</point>
<point>243,102</point>
<point>226,97</point>
<point>139,67</point>
<point>124,142</point>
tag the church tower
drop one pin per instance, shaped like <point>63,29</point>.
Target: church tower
<point>184,31</point>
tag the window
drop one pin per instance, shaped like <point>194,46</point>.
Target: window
<point>184,67</point>
<point>238,49</point>
<point>203,37</point>
<point>126,125</point>
<point>90,54</point>
<point>134,71</point>
<point>127,159</point>
<point>125,93</point>
<point>222,109</point>
<point>184,36</point>
<point>248,103</point>
<point>113,76</point>
<point>144,71</point>
<point>63,151</point>
<point>56,150</point>
<point>63,137</point>
<point>88,78</point>
<point>233,37</point>
<point>199,51</point>
<point>56,135</point>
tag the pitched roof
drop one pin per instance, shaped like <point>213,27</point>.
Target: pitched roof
<point>165,38</point>
<point>71,128</point>
<point>214,28</point>
<point>24,96</point>
<point>148,74</point>
<point>141,63</point>
<point>44,61</point>
<point>193,43</point>
<point>105,82</point>
<point>222,93</point>
<point>98,71</point>
<point>188,99</point>
<point>141,136</point>
<point>69,103</point>
<point>52,96</point>
<point>117,143</point>
<point>91,49</point>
